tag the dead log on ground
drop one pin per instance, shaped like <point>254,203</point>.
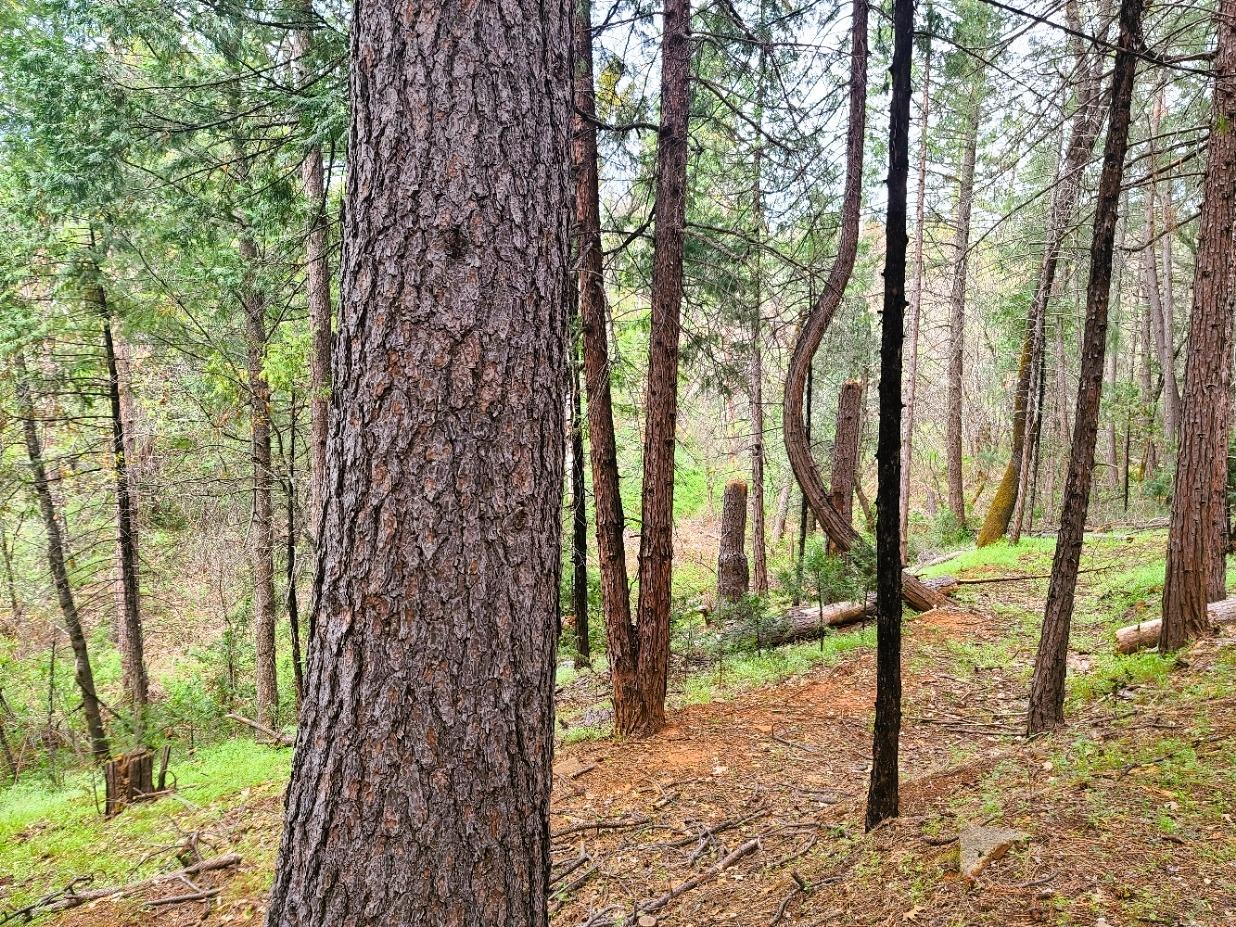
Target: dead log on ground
<point>277,737</point>
<point>1146,633</point>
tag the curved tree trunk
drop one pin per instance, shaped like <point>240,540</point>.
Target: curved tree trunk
<point>797,447</point>
<point>83,673</point>
<point>1195,554</point>
<point>1046,709</point>
<point>883,797</point>
<point>421,780</point>
<point>1086,123</point>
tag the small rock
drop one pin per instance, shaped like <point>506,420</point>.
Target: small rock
<point>647,920</point>
<point>983,845</point>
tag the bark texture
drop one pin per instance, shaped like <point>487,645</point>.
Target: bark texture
<point>579,513</point>
<point>420,787</point>
<point>797,445</point>
<point>957,316</point>
<point>1046,709</point>
<point>845,449</point>
<point>656,542</point>
<point>883,797</point>
<point>56,561</point>
<point>733,575</point>
<point>1196,548</point>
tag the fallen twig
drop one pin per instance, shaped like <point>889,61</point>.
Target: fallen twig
<point>278,737</point>
<point>656,904</point>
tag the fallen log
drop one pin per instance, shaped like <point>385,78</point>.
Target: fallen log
<point>807,622</point>
<point>1134,637</point>
<point>277,738</point>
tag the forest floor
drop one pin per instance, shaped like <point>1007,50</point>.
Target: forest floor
<point>748,809</point>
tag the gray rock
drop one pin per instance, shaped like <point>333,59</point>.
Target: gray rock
<point>983,845</point>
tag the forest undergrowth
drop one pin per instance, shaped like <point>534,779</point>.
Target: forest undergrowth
<point>748,808</point>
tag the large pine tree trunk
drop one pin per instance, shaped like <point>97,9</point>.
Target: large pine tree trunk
<point>1047,687</point>
<point>317,279</point>
<point>83,673</point>
<point>1195,552</point>
<point>914,312</point>
<point>656,542</point>
<point>797,446</point>
<point>1086,122</point>
<point>957,323</point>
<point>128,598</point>
<point>622,642</point>
<point>883,800</point>
<point>420,786</point>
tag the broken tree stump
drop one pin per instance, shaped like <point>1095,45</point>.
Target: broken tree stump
<point>1146,633</point>
<point>845,452</point>
<point>733,576</point>
<point>128,778</point>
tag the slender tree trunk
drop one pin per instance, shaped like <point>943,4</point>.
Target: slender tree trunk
<point>56,561</point>
<point>132,653</point>
<point>421,780</point>
<point>579,508</point>
<point>759,543</point>
<point>845,451</point>
<point>797,446</point>
<point>656,542</point>
<point>1086,123</point>
<point>261,544</point>
<point>915,309</point>
<point>1047,687</point>
<point>290,558</point>
<point>622,642</point>
<point>1160,327</point>
<point>317,282</point>
<point>733,577</point>
<point>957,326</point>
<point>783,513</point>
<point>883,800</point>
<point>805,516</point>
<point>1194,565</point>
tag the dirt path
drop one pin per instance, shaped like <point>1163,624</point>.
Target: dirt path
<point>749,811</point>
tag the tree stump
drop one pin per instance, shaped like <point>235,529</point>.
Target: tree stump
<point>733,577</point>
<point>129,777</point>
<point>845,451</point>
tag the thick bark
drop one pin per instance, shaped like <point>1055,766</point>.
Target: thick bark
<point>1086,123</point>
<point>421,780</point>
<point>797,445</point>
<point>622,642</point>
<point>656,542</point>
<point>1046,709</point>
<point>128,594</point>
<point>261,541</point>
<point>56,561</point>
<point>317,280</point>
<point>579,511</point>
<point>883,798</point>
<point>845,450</point>
<point>914,311</point>
<point>1196,548</point>
<point>733,576</point>
<point>957,318</point>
